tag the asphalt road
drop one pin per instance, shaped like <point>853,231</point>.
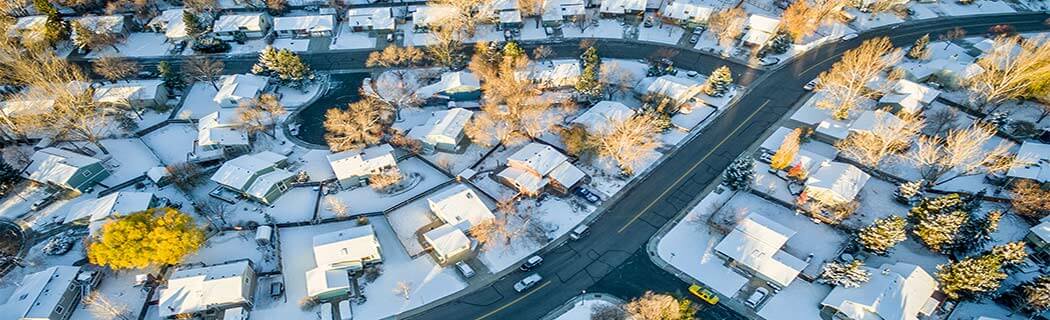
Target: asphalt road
<point>608,260</point>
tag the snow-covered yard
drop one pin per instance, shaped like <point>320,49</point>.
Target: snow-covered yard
<point>666,34</point>
<point>347,39</point>
<point>233,245</point>
<point>364,199</point>
<point>137,44</point>
<point>199,101</point>
<point>172,143</point>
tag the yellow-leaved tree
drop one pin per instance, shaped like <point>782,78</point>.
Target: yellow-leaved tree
<point>786,153</point>
<point>158,236</point>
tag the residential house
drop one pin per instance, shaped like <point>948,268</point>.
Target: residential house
<point>753,247</point>
<point>894,291</point>
<point>760,29</point>
<point>602,116</point>
<point>65,169</point>
<point>242,26</point>
<point>257,176</point>
<point>443,131</point>
<point>11,110</point>
<point>219,136</point>
<point>950,72</point>
<point>430,15</point>
<point>353,167</point>
<point>170,23</point>
<point>510,19</point>
<point>137,94</point>
<point>240,87</point>
<point>1038,238</point>
<point>555,12</point>
<point>835,183</point>
<point>460,207</point>
<point>686,14</point>
<point>207,292</point>
<point>51,294</point>
<point>96,212</point>
<point>27,24</point>
<point>554,74</point>
<point>679,90</point>
<point>869,121</point>
<point>1037,157</point>
<point>448,244</point>
<point>907,96</point>
<point>535,166</point>
<point>304,26</point>
<point>338,253</point>
<point>455,86</point>
<point>372,20</point>
<point>112,24</point>
<point>621,8</point>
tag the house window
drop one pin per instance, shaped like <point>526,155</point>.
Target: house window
<point>86,174</point>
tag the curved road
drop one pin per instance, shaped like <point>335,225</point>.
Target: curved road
<point>613,258</point>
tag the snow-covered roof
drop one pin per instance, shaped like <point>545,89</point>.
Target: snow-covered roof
<point>171,21</point>
<point>265,182</point>
<point>240,86</point>
<point>26,23</point>
<point>39,293</point>
<point>220,128</point>
<point>347,248</point>
<point>56,165</point>
<point>157,173</point>
<point>773,142</point>
<point>554,73</point>
<point>566,174</point>
<point>447,240</point>
<point>923,93</point>
<point>621,6</point>
<point>451,82</point>
<point>898,291</point>
<point>556,10</point>
<point>678,88</point>
<point>431,14</point>
<point>603,115</point>
<point>117,203</point>
<point>377,18</point>
<point>444,124</point>
<point>526,181</point>
<point>686,11</point>
<point>1038,157</point>
<point>315,23</point>
<point>842,180</point>
<point>196,290</point>
<point>320,280</point>
<point>1042,230</point>
<point>510,16</point>
<point>760,29</point>
<point>241,171</point>
<point>536,157</point>
<point>21,107</point>
<point>102,24</point>
<point>460,206</point>
<point>504,5</point>
<point>869,120</point>
<point>128,91</point>
<point>755,242</point>
<point>250,22</point>
<point>352,163</point>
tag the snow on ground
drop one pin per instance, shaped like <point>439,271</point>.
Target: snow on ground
<point>293,98</point>
<point>978,7</point>
<point>531,31</point>
<point>172,143</point>
<point>867,21</point>
<point>315,164</point>
<point>250,46</point>
<point>689,247</point>
<point>665,33</point>
<point>296,205</point>
<point>581,310</point>
<point>118,287</point>
<point>458,162</point>
<point>988,309</point>
<point>487,184</point>
<point>364,199</point>
<point>233,245</point>
<point>605,28</point>
<point>294,45</point>
<point>876,201</point>
<point>800,300</point>
<point>556,215</point>
<point>137,44</point>
<point>130,158</point>
<point>408,219</point>
<point>198,102</point>
<point>36,261</point>
<point>352,40</point>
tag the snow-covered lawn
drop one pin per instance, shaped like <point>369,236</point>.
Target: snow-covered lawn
<point>198,102</point>
<point>408,219</point>
<point>36,261</point>
<point>606,28</point>
<point>172,143</point>
<point>233,245</point>
<point>294,45</point>
<point>952,8</point>
<point>800,300</point>
<point>296,205</point>
<point>130,158</point>
<point>867,21</point>
<point>555,215</point>
<point>458,162</point>
<point>689,247</point>
<point>315,163</point>
<point>667,34</point>
<point>118,287</point>
<point>532,32</point>
<point>581,310</point>
<point>293,98</point>
<point>876,201</point>
<point>364,199</point>
<point>137,44</point>
<point>250,46</point>
<point>352,40</point>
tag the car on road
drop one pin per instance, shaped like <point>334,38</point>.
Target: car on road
<point>465,269</point>
<point>532,262</point>
<point>692,74</point>
<point>812,84</point>
<point>578,232</point>
<point>703,293</point>
<point>848,36</point>
<point>768,61</point>
<point>756,298</point>
<point>527,282</point>
<point>587,195</point>
<point>694,38</point>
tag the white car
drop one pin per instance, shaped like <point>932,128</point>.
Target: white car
<point>848,36</point>
<point>527,282</point>
<point>810,85</point>
<point>757,297</point>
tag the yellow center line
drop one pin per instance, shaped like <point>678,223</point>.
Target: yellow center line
<point>688,172</point>
<point>515,301</point>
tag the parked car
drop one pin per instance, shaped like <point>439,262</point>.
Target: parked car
<point>694,38</point>
<point>810,85</point>
<point>766,157</point>
<point>769,61</point>
<point>44,202</point>
<point>528,282</point>
<point>648,22</point>
<point>532,262</point>
<point>703,293</point>
<point>848,36</point>
<point>578,232</point>
<point>465,269</point>
<point>587,195</point>
<point>757,297</point>
<point>692,74</point>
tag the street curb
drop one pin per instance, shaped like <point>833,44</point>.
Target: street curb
<point>568,305</point>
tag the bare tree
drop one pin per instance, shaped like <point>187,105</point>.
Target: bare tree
<point>468,13</point>
<point>1029,199</point>
<point>653,306</point>
<point>337,206</point>
<point>398,58</point>
<point>618,79</point>
<point>203,69</point>
<point>362,124</point>
<point>398,92</point>
<point>186,175</point>
<point>215,209</point>
<point>1011,70</point>
<point>889,135</point>
<point>403,290</point>
<point>727,25</point>
<point>845,84</point>
<point>103,308</point>
<point>542,53</point>
<point>260,114</point>
<point>961,153</point>
<point>630,141</point>
<point>940,120</point>
<point>607,311</point>
<point>494,231</point>
<point>952,35</point>
<point>115,68</point>
<point>384,180</point>
<point>448,41</point>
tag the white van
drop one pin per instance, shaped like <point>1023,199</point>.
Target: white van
<point>579,232</point>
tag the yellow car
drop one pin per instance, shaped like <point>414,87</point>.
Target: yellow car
<point>703,294</point>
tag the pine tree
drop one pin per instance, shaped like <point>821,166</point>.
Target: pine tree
<point>8,177</point>
<point>740,174</point>
<point>909,192</point>
<point>780,43</point>
<point>848,275</point>
<point>920,49</point>
<point>513,50</point>
<point>938,232</point>
<point>947,224</point>
<point>976,234</point>
<point>977,276</point>
<point>589,84</point>
<point>82,37</point>
<point>719,81</point>
<point>786,153</point>
<point>1032,297</point>
<point>883,234</point>
<point>283,64</point>
<point>192,23</point>
<point>55,28</point>
<point>172,79</point>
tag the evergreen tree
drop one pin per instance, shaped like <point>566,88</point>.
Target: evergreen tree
<point>849,275</point>
<point>192,23</point>
<point>740,174</point>
<point>45,8</point>
<point>284,65</point>
<point>172,79</point>
<point>780,43</point>
<point>82,37</point>
<point>938,232</point>
<point>976,234</point>
<point>513,50</point>
<point>589,84</point>
<point>1032,297</point>
<point>947,224</point>
<point>909,192</point>
<point>8,177</point>
<point>883,234</point>
<point>55,28</point>
<point>920,50</point>
<point>976,276</point>
<point>719,81</point>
